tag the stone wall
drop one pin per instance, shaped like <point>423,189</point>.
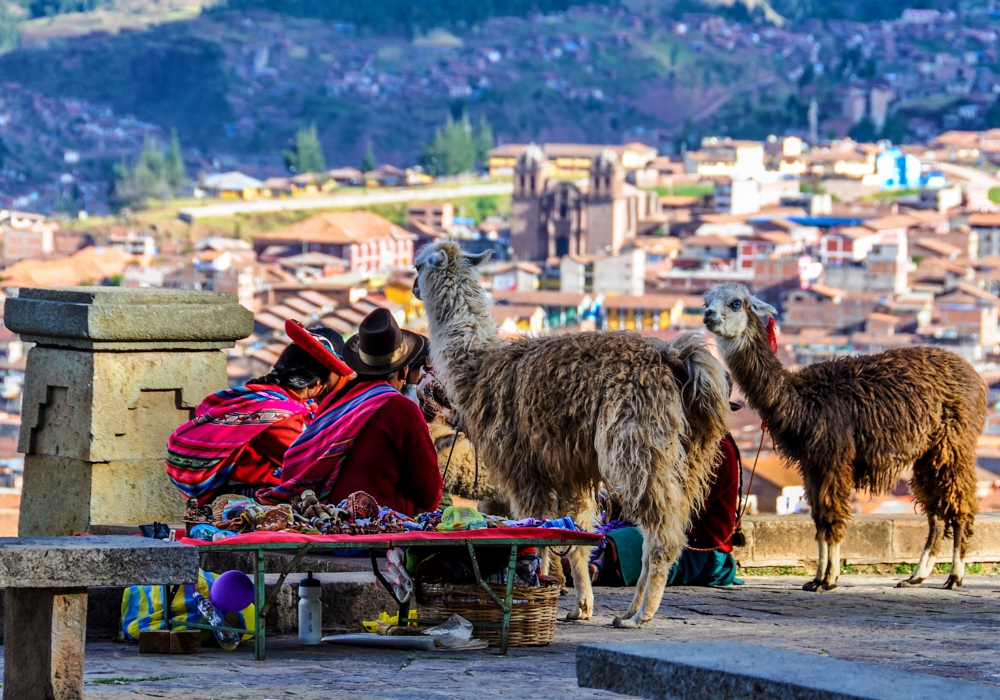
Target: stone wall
<point>790,540</point>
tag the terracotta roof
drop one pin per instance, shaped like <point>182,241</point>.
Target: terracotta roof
<point>829,292</point>
<point>981,294</point>
<point>350,315</point>
<point>926,216</point>
<point>852,232</point>
<point>301,305</point>
<point>339,228</point>
<point>883,223</point>
<point>677,201</point>
<point>646,302</point>
<point>710,240</point>
<point>939,247</point>
<point>541,298</point>
<point>316,298</point>
<point>984,220</point>
<point>516,311</point>
<point>338,324</point>
<point>659,245</point>
<point>270,321</point>
<point>530,268</point>
<point>884,318</point>
<point>723,218</point>
<point>284,312</point>
<point>775,237</point>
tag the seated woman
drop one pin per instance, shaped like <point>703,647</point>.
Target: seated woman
<point>368,436</point>
<point>237,441</point>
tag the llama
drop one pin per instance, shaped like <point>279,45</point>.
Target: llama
<point>859,422</point>
<point>555,416</point>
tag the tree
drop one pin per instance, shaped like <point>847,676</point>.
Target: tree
<point>864,131</point>
<point>133,186</point>
<point>307,154</point>
<point>368,162</point>
<point>483,141</point>
<point>452,150</point>
<point>174,164</point>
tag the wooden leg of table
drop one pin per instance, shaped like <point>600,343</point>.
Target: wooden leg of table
<point>45,633</point>
<point>509,600</point>
<point>259,590</point>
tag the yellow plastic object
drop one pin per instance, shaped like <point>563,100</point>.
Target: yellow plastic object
<point>461,518</point>
<point>385,618</point>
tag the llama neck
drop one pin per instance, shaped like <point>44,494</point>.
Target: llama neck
<point>756,369</point>
<point>462,332</point>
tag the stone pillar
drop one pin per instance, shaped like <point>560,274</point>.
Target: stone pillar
<point>114,371</point>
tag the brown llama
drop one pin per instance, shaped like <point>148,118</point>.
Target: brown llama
<point>555,416</point>
<point>858,422</point>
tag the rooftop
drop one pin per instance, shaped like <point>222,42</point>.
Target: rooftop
<point>338,228</point>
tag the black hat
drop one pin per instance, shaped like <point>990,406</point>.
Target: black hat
<point>381,347</point>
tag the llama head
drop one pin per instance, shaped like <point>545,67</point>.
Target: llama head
<point>728,308</point>
<point>443,260</point>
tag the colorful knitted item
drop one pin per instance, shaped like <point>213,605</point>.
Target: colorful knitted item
<point>201,453</point>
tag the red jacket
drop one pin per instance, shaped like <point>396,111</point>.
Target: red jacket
<point>258,460</point>
<point>394,460</point>
<point>713,527</point>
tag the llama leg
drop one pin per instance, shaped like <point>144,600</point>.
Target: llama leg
<point>935,529</point>
<point>821,560</point>
<point>660,552</point>
<point>954,581</point>
<point>832,568</point>
<point>640,584</point>
<point>583,509</point>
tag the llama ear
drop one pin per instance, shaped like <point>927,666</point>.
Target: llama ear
<point>436,258</point>
<point>479,259</point>
<point>761,308</point>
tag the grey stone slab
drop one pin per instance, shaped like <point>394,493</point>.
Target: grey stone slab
<point>112,318</point>
<point>79,562</point>
<point>736,670</point>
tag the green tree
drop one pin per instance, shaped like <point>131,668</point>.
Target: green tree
<point>9,36</point>
<point>133,186</point>
<point>174,164</point>
<point>452,151</point>
<point>483,141</point>
<point>864,131</point>
<point>307,154</point>
<point>368,162</point>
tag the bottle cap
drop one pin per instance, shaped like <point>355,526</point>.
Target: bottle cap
<point>310,582</point>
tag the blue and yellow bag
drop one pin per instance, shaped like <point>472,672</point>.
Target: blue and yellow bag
<point>142,608</point>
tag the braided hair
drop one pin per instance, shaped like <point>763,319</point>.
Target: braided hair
<point>297,369</point>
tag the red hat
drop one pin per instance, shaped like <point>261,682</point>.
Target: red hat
<point>320,348</point>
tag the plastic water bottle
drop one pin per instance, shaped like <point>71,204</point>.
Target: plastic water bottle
<point>310,611</point>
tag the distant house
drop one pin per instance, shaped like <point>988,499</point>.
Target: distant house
<point>969,312</point>
<point>231,185</point>
<point>368,242</point>
<point>561,308</point>
<point>523,319</point>
<point>385,176</point>
<point>521,277</point>
<point>348,177</point>
<point>821,306</point>
<point>766,244</point>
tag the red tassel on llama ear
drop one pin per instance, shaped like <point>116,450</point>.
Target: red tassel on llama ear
<point>772,338</point>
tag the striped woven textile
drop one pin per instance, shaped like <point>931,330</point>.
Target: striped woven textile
<point>201,453</point>
<point>314,460</point>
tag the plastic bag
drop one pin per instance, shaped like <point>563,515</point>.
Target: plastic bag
<point>402,584</point>
<point>454,633</point>
<point>461,518</point>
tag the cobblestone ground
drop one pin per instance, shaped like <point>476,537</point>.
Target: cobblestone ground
<point>925,630</point>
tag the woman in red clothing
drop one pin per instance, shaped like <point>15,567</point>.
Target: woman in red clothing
<point>238,439</point>
<point>368,436</point>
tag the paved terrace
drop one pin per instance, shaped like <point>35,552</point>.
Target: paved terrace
<point>866,619</point>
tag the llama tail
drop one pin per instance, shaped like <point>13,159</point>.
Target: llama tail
<point>704,391</point>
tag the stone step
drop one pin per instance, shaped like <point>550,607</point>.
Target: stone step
<point>736,670</point>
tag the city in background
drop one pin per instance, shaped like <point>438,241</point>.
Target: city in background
<point>619,159</point>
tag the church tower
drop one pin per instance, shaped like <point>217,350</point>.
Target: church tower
<point>607,210</point>
<point>528,237</point>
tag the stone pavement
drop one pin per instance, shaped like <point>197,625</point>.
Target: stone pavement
<point>925,630</point>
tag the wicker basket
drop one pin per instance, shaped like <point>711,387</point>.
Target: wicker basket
<point>532,619</point>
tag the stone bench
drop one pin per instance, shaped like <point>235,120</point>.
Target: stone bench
<point>45,601</point>
<point>736,670</point>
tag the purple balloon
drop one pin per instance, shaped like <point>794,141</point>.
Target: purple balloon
<point>232,591</point>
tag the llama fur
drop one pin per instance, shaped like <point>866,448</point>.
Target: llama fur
<point>553,417</point>
<point>857,423</point>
